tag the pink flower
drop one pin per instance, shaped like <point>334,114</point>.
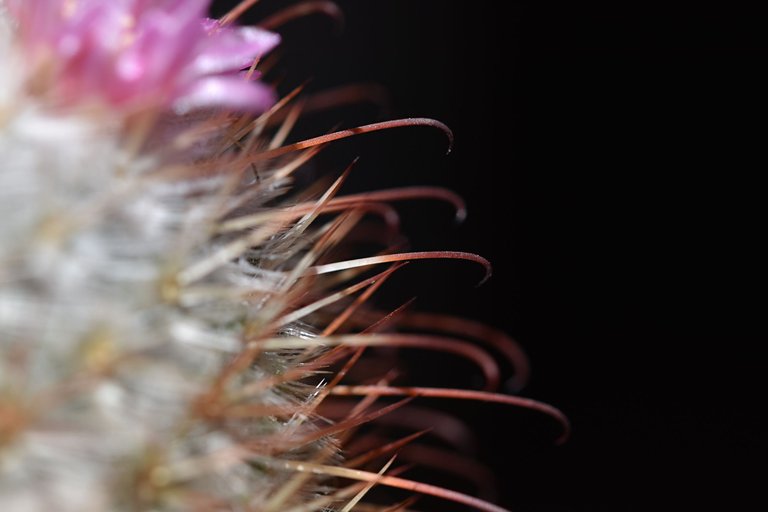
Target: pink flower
<point>135,54</point>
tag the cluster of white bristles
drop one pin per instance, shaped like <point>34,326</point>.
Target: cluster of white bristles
<point>120,307</point>
<point>161,325</point>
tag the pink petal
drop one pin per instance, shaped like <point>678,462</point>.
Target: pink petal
<point>142,53</point>
<point>233,92</point>
<point>232,49</point>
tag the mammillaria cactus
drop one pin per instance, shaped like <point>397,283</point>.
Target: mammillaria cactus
<point>176,319</point>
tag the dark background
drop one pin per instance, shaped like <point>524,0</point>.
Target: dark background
<point>612,157</point>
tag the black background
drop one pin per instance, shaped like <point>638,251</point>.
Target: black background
<point>612,158</point>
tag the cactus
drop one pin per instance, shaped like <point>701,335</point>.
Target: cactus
<point>175,316</point>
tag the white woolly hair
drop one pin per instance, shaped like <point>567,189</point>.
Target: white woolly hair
<point>120,306</point>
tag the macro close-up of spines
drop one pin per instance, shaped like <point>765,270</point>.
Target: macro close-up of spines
<point>185,325</point>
